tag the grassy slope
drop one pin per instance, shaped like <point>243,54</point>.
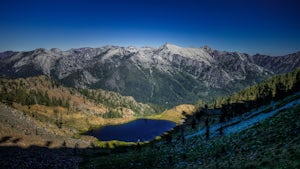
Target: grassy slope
<point>274,143</point>
<point>175,114</point>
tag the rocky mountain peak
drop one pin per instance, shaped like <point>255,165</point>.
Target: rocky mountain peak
<point>207,48</point>
<point>55,50</point>
<point>168,46</point>
<point>168,74</point>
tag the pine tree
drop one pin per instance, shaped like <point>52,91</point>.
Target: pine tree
<point>280,91</point>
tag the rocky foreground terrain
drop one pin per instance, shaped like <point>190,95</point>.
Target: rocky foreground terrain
<point>26,144</point>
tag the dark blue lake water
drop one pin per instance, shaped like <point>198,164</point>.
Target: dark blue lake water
<point>141,129</point>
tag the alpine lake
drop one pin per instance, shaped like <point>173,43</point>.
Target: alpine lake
<point>139,130</point>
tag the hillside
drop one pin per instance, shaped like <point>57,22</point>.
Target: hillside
<point>272,143</point>
<point>38,108</point>
<point>168,75</point>
<point>43,91</point>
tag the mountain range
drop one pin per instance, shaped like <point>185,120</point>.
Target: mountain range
<point>168,75</point>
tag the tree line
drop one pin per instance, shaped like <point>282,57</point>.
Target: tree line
<point>272,89</point>
<point>32,97</point>
<point>17,92</point>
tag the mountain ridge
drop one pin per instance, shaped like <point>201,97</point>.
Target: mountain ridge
<point>168,75</point>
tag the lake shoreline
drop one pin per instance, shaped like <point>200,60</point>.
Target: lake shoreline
<point>139,130</point>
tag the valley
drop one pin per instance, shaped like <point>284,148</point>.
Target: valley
<point>51,109</point>
<point>255,146</point>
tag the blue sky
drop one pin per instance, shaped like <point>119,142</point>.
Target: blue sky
<point>252,26</point>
